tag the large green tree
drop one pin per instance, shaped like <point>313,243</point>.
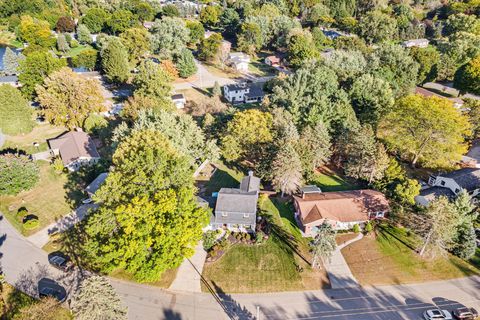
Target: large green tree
<point>15,112</point>
<point>35,68</point>
<point>152,81</point>
<point>115,61</point>
<point>169,37</point>
<point>17,173</point>
<point>185,64</point>
<point>137,43</point>
<point>121,20</point>
<point>95,19</point>
<point>467,79</point>
<point>428,130</point>
<point>67,99</point>
<point>148,220</point>
<point>377,26</point>
<point>323,245</point>
<point>314,147</point>
<point>287,170</point>
<point>10,62</point>
<point>97,300</point>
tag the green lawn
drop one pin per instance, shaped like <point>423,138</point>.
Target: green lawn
<point>165,282</point>
<point>73,52</point>
<point>476,259</point>
<point>331,181</point>
<point>48,199</point>
<point>39,134</point>
<point>388,258</point>
<point>259,68</point>
<point>224,177</point>
<point>279,264</point>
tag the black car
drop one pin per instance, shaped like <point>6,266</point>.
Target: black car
<point>465,313</point>
<point>50,288</point>
<point>60,261</point>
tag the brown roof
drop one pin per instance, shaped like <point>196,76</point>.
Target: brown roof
<point>427,93</point>
<point>343,206</point>
<point>74,145</point>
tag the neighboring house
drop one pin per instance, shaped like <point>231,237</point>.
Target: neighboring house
<point>244,92</point>
<point>342,209</point>
<point>332,34</point>
<point>457,102</point>
<point>236,209</point>
<point>11,80</point>
<point>75,148</point>
<point>472,158</point>
<point>450,185</point>
<point>179,100</point>
<point>420,43</point>
<point>96,184</point>
<point>239,61</point>
<point>273,61</point>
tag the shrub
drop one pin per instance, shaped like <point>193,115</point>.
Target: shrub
<point>247,236</point>
<point>356,228</point>
<point>368,227</point>
<point>31,224</point>
<point>22,213</point>
<point>209,239</point>
<point>259,237</point>
<point>58,165</point>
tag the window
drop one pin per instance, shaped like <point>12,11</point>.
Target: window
<point>442,183</point>
<point>457,190</point>
<point>246,215</point>
<point>224,214</point>
<point>379,215</point>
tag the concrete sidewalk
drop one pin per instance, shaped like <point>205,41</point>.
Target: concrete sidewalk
<point>337,268</point>
<point>42,237</point>
<point>189,273</point>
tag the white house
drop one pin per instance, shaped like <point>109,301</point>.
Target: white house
<point>244,92</point>
<point>420,43</point>
<point>96,184</point>
<point>75,148</point>
<point>450,185</point>
<point>179,100</point>
<point>239,61</point>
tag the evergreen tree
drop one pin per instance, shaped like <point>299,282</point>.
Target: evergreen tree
<point>83,34</point>
<point>287,170</point>
<point>314,147</point>
<point>10,62</point>
<point>115,61</point>
<point>217,90</point>
<point>323,245</point>
<point>185,64</point>
<point>464,244</point>
<point>62,44</point>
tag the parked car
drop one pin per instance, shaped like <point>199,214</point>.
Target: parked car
<point>60,261</point>
<point>465,313</point>
<point>50,288</point>
<point>437,314</point>
<point>87,200</point>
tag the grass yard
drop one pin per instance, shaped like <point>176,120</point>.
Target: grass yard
<point>388,259</point>
<point>164,282</point>
<point>224,177</point>
<point>475,260</point>
<point>39,134</point>
<point>73,52</point>
<point>276,265</point>
<point>328,180</point>
<point>47,200</point>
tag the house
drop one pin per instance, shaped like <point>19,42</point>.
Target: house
<point>179,100</point>
<point>457,102</point>
<point>472,158</point>
<point>236,209</point>
<point>96,184</point>
<point>75,148</point>
<point>11,80</point>
<point>450,185</point>
<point>342,209</point>
<point>244,92</point>
<point>333,34</point>
<point>239,61</point>
<point>273,61</point>
<point>420,43</point>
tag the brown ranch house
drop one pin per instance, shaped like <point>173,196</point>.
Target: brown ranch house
<point>342,209</point>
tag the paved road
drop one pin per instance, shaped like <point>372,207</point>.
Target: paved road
<point>23,264</point>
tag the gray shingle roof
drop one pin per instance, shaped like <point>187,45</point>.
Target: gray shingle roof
<point>236,200</point>
<point>8,79</point>
<point>466,178</point>
<point>435,192</point>
<point>250,183</point>
<point>95,185</point>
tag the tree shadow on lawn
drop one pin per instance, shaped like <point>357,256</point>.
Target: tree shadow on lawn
<point>220,179</point>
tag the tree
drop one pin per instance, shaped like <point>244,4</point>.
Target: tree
<point>348,65</point>
<point>180,129</point>
<point>377,26</point>
<point>197,32</point>
<point>185,63</point>
<point>216,90</point>
<point>46,308</point>
<point>230,22</point>
<point>287,170</point>
<point>210,15</point>
<point>300,47</point>
<point>67,98</point>
<point>62,44</point>
<point>406,191</point>
<point>314,147</point>
<point>471,109</point>
<point>467,78</point>
<point>65,24</point>
<point>36,67</point>
<point>95,19</point>
<point>210,46</point>
<point>250,37</point>
<point>371,98</point>
<point>17,173</point>
<point>426,129</point>
<point>281,27</point>
<point>462,22</point>
<point>149,220</point>
<point>36,32</point>
<point>134,105</point>
<point>10,62</point>
<point>86,59</point>
<point>115,61</point>
<point>438,227</point>
<point>319,14</point>
<point>15,112</point>
<point>152,81</point>
<point>137,43</point>
<point>323,245</point>
<point>120,21</point>
<point>245,135</point>
<point>83,34</point>
<point>169,37</point>
<point>364,158</point>
<point>170,10</point>
<point>427,59</point>
<point>97,300</point>
<point>464,243</point>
